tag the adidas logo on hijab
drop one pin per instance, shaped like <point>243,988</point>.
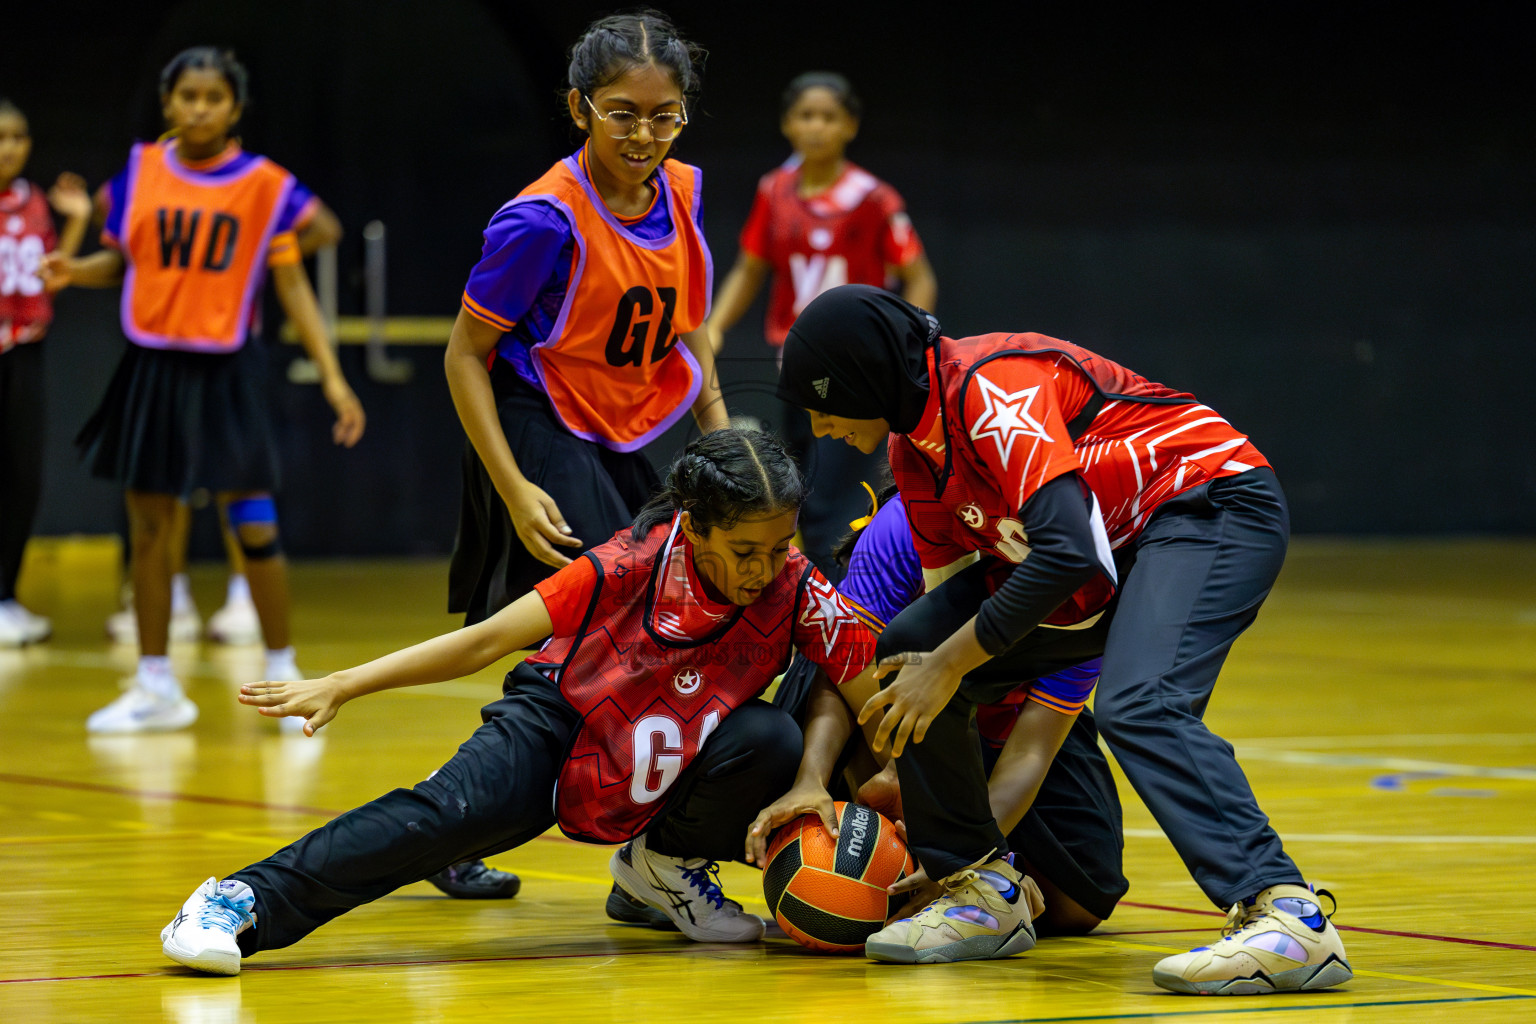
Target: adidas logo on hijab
<point>822,385</point>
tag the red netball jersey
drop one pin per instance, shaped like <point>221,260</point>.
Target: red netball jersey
<point>197,243</point>
<point>849,234</point>
<point>26,232</point>
<point>652,677</point>
<point>1015,411</point>
<point>611,364</point>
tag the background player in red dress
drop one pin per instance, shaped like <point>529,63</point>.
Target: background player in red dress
<point>194,227</point>
<point>640,714</point>
<point>580,338</point>
<point>819,221</point>
<point>1096,485</point>
<point>26,309</point>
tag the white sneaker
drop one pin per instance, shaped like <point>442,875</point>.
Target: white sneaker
<point>13,631</point>
<point>202,935</point>
<point>687,890</point>
<point>186,626</point>
<point>236,624</point>
<point>17,621</point>
<point>139,710</point>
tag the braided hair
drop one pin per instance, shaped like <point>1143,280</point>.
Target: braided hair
<point>612,46</point>
<point>723,478</point>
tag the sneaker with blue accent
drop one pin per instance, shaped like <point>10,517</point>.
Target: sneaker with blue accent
<point>202,935</point>
<point>686,890</point>
<point>987,912</point>
<point>1279,941</point>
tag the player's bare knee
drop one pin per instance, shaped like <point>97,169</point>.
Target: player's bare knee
<point>253,518</point>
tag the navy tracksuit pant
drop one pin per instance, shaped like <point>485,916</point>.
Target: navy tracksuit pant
<point>1189,585</point>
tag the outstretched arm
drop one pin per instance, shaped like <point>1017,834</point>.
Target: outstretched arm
<point>516,627</point>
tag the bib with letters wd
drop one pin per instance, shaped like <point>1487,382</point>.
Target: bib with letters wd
<point>197,249</point>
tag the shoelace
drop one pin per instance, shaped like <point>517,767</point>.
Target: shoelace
<point>220,911</point>
<point>1240,917</point>
<point>706,879</point>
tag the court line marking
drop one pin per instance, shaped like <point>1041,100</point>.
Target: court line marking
<point>1249,1009</point>
<point>1354,837</point>
<point>198,798</point>
<point>1350,928</point>
<point>34,780</point>
<point>1394,764</point>
<point>1426,739</point>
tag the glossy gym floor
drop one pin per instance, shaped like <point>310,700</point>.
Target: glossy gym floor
<point>1384,707</point>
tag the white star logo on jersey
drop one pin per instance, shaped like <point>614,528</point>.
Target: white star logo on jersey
<point>1006,417</point>
<point>687,681</point>
<point>825,611</point>
<point>973,516</point>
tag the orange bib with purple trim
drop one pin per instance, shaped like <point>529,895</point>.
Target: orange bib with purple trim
<point>196,248</point>
<point>612,365</point>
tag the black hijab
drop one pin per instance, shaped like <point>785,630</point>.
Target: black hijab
<point>860,352</point>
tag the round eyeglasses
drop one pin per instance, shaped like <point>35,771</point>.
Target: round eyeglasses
<point>621,124</point>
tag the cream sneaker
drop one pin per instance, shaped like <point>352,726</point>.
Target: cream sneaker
<point>1279,942</point>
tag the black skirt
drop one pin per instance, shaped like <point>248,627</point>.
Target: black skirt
<point>598,490</point>
<point>173,422</point>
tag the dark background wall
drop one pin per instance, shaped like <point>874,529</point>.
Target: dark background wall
<point>1320,219</point>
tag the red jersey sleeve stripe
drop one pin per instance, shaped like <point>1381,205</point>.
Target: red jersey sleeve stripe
<point>479,312</point>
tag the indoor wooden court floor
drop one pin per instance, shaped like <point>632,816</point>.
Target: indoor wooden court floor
<point>1384,707</point>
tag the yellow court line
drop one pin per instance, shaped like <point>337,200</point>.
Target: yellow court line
<point>1474,986</point>
<point>1417,978</point>
<point>136,835</point>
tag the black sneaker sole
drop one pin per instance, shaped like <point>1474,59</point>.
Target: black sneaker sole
<point>506,886</point>
<point>625,909</point>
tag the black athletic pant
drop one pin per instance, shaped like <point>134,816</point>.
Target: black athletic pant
<point>496,793</point>
<point>21,456</point>
<point>1191,583</point>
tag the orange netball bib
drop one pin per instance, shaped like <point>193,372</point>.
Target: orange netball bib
<point>196,249</point>
<point>612,365</point>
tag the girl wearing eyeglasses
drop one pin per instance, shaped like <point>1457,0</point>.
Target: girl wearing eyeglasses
<point>580,337</point>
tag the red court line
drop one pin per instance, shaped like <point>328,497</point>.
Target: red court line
<point>188,973</point>
<point>194,798</point>
<point>1352,928</point>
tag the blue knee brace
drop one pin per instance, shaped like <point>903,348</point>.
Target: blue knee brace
<point>259,511</point>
